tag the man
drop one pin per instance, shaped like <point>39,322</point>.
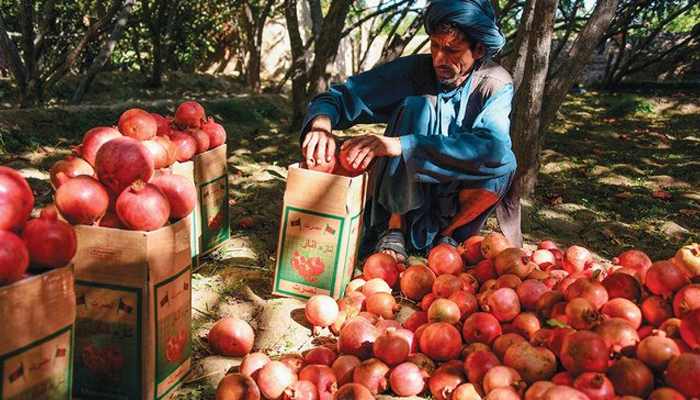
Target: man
<point>445,159</point>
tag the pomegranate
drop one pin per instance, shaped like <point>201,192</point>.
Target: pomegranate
<point>345,163</point>
<point>664,278</point>
<point>407,379</point>
<point>232,338</point>
<point>665,393</point>
<point>687,258</point>
<point>595,385</point>
<point>682,374</point>
<point>344,367</point>
<point>355,285</point>
<point>441,341</point>
<point>416,320</point>
<point>445,285</point>
<point>504,304</point>
<point>631,377</point>
<point>529,292</point>
<point>588,289</point>
<point>323,377</point>
<point>546,303</point>
<point>353,391</point>
<point>143,207</point>
<point>170,148</point>
<point>503,342</point>
<point>423,362</point>
<point>466,302</point>
<point>274,378</point>
<point>216,132</point>
<point>444,310</point>
<point>293,361</point>
<point>201,137</point>
<point>576,259</point>
<point>320,355</point>
<point>503,394</point>
<point>253,363</point>
<point>501,376</point>
<point>138,124</point>
<point>70,167</point>
<point>321,311</point>
<point>471,250</point>
<point>190,114</point>
<point>483,271</point>
<point>537,390</point>
<point>478,363</point>
<point>158,152</point>
<point>493,244</point>
<point>16,200</point>
<point>619,334</point>
<point>374,286</point>
<point>181,194</point>
<point>51,243</point>
<point>656,310</point>
<point>561,392</point>
<point>186,145</point>
<point>513,261</point>
<point>584,351</point>
<point>543,258</point>
<point>121,162</point>
<point>391,347</point>
<point>686,300</point>
<point>690,329</point>
<point>625,309</point>
<point>93,141</point>
<point>14,258</point>
<point>385,324</point>
<point>163,125</point>
<point>445,259</point>
<point>357,339</point>
<point>532,363</point>
<point>238,387</point>
<point>301,390</point>
<point>656,351</point>
<point>481,327</point>
<point>382,266</point>
<point>581,314</point>
<point>620,284</point>
<point>507,281</point>
<point>383,305</point>
<point>445,380</point>
<point>526,324</point>
<point>373,374</point>
<point>417,281</point>
<point>82,200</point>
<point>635,260</point>
<point>111,220</point>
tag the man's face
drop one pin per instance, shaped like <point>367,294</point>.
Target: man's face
<point>453,57</point>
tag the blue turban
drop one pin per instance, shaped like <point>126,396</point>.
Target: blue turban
<point>475,17</point>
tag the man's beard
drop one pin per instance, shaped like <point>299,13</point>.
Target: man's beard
<point>449,80</point>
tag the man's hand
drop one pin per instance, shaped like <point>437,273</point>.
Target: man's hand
<point>361,150</point>
<point>319,144</point>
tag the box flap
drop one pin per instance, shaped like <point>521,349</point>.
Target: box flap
<point>334,194</point>
<point>169,250</point>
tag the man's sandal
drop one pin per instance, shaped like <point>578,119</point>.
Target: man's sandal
<point>393,240</point>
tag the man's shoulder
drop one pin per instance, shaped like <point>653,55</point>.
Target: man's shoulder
<point>493,74</point>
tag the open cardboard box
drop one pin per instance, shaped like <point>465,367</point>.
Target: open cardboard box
<point>319,233</point>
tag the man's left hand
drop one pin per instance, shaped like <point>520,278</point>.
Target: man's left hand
<point>361,150</point>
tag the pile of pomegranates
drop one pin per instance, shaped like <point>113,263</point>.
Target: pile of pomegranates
<point>489,321</point>
<point>115,185</point>
<point>42,243</point>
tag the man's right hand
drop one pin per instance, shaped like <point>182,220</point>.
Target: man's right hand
<point>319,144</point>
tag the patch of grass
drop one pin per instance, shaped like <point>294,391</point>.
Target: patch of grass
<point>627,106</point>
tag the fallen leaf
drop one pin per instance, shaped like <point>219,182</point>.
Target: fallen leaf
<point>598,151</point>
<point>661,194</point>
<point>623,195</point>
<point>687,212</point>
<point>679,94</point>
<point>623,137</point>
<point>553,198</point>
<point>609,120</point>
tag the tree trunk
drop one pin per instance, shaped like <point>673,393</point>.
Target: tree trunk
<point>592,33</point>
<point>526,115</point>
<point>8,48</point>
<point>516,63</point>
<point>298,68</point>
<point>316,12</point>
<point>105,52</point>
<point>327,45</point>
<point>396,45</point>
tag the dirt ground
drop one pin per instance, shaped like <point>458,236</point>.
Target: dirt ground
<point>618,172</point>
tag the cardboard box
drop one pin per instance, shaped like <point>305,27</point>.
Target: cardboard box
<point>133,338</point>
<point>211,179</point>
<point>186,169</point>
<point>319,233</point>
<point>36,336</point>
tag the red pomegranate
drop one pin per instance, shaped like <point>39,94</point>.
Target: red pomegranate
<point>190,114</point>
<point>14,258</point>
<point>186,145</point>
<point>471,250</point>
<point>301,390</point>
<point>274,378</point>
<point>382,266</point>
<point>143,207</point>
<point>121,162</point>
<point>513,261</point>
<point>253,363</point>
<point>321,311</point>
<point>353,391</point>
<point>16,200</point>
<point>445,259</point>
<point>493,244</point>
<point>631,377</point>
<point>407,379</point>
<point>181,194</point>
<point>656,351</point>
<point>201,137</point>
<point>138,124</point>
<point>445,285</point>
<point>231,337</point>
<point>576,259</point>
<point>584,351</point>
<point>445,380</point>
<point>481,327</point>
<point>94,139</point>
<point>417,281</point>
<point>441,342</point>
<point>634,259</point>
<point>345,163</point>
<point>664,278</point>
<point>216,132</point>
<point>320,355</point>
<point>51,243</point>
<point>372,374</point>
<point>532,363</point>
<point>344,367</point>
<point>82,200</point>
<point>70,167</point>
<point>323,377</point>
<point>237,386</point>
<point>158,152</point>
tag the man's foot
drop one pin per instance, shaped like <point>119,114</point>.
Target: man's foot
<point>392,242</point>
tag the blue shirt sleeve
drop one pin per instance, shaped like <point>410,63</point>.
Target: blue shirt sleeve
<point>367,98</point>
<point>480,154</point>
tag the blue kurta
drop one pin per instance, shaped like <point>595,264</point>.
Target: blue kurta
<point>451,140</point>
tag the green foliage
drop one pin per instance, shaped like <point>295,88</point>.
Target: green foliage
<point>626,106</point>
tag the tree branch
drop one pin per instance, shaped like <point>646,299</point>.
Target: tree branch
<point>10,50</point>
